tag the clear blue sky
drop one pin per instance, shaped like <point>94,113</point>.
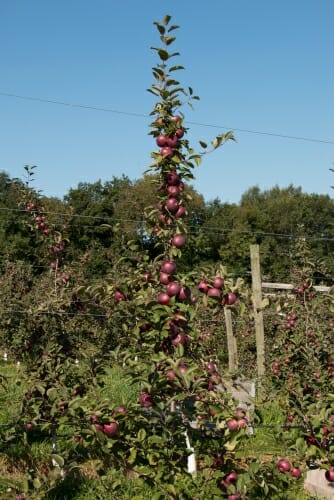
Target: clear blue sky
<point>261,65</point>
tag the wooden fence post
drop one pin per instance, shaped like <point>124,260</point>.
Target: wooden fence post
<point>231,342</point>
<point>257,304</point>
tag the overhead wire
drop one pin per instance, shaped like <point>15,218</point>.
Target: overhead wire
<point>143,115</point>
<point>205,229</point>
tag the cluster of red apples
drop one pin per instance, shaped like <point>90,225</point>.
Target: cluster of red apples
<point>215,290</point>
<point>38,218</point>
<point>170,206</point>
<point>56,250</point>
<point>172,287</point>
<point>169,143</point>
<point>284,466</point>
<point>108,427</point>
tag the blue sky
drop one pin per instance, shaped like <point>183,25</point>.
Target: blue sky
<point>263,66</point>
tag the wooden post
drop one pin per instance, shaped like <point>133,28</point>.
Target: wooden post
<point>231,342</point>
<point>257,304</point>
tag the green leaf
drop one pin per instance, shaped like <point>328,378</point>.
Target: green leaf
<point>166,19</point>
<point>230,445</point>
<point>175,68</point>
<point>153,91</point>
<point>242,308</point>
<point>40,388</point>
<point>152,459</point>
<point>133,455</point>
<point>141,435</point>
<point>169,39</point>
<point>157,496</point>
<point>163,54</point>
<point>203,144</point>
<point>160,27</point>
<point>198,160</point>
<point>265,303</point>
<point>37,483</point>
<point>52,393</point>
<point>173,27</point>
<point>217,141</point>
<point>58,459</point>
<point>155,439</point>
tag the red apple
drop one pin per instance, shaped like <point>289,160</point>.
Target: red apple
<point>164,278</point>
<point>181,338</point>
<point>173,190</point>
<point>218,282</point>
<point>168,266</point>
<point>172,178</point>
<point>30,207</point>
<point>235,496</point>
<point>172,141</point>
<point>119,296</point>
<point>229,299</point>
<point>203,286</point>
<point>146,400</point>
<point>179,132</point>
<point>161,141</point>
<point>175,118</point>
<point>242,423</point>
<point>164,219</point>
<point>231,478</point>
<point>232,424</point>
<point>172,205</point>
<point>166,151</point>
<point>173,288</point>
<point>329,475</point>
<point>110,429</point>
<point>283,465</point>
<point>179,240</point>
<point>184,293</point>
<point>214,292</point>
<point>163,299</point>
<point>181,212</point>
<point>296,472</point>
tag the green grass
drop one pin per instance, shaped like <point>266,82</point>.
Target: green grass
<point>17,458</point>
<point>11,390</point>
<point>118,389</point>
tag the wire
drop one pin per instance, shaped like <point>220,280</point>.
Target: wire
<point>142,115</point>
<point>73,105</point>
<point>192,226</point>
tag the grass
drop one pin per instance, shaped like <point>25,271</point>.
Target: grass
<point>16,460</point>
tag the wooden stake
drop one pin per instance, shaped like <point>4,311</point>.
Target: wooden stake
<point>231,342</point>
<point>257,304</point>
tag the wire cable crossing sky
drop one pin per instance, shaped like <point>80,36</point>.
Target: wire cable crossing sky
<point>142,115</point>
<point>265,67</point>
